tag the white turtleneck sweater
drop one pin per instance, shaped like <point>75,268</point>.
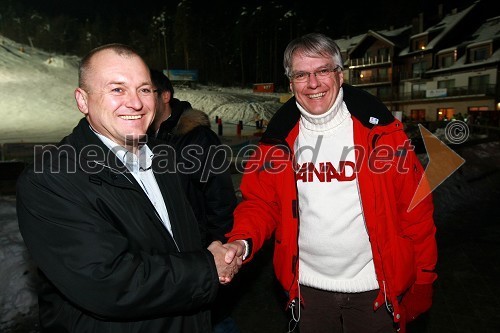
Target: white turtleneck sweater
<point>334,250</point>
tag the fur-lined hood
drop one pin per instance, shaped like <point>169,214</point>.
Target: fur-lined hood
<point>190,119</point>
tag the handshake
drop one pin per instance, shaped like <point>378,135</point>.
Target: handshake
<point>228,258</point>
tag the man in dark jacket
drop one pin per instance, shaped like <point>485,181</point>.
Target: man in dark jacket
<point>204,172</point>
<point>201,158</point>
<point>116,242</point>
<point>168,108</point>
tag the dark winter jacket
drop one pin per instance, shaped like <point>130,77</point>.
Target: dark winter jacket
<point>204,172</point>
<point>165,131</point>
<point>106,259</point>
<point>403,242</point>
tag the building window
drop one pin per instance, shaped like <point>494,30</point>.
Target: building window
<point>418,68</point>
<point>417,115</point>
<point>445,114</point>
<point>481,115</point>
<point>446,60</point>
<point>385,93</point>
<point>368,56</point>
<point>479,53</point>
<point>418,90</point>
<point>448,84</point>
<point>383,54</point>
<point>419,44</point>
<point>478,84</point>
<point>366,76</point>
<point>383,74</point>
<point>477,108</point>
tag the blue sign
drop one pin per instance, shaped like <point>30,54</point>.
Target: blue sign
<point>181,74</point>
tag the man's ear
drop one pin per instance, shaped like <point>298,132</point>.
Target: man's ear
<point>81,98</point>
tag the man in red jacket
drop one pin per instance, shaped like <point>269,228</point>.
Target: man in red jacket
<point>336,165</point>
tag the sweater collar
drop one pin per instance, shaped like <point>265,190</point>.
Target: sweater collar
<point>328,120</point>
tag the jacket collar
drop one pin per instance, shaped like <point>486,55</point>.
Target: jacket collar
<point>363,106</point>
<point>90,149</point>
<point>94,157</point>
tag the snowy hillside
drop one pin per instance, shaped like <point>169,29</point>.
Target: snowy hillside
<point>36,93</point>
<point>37,102</point>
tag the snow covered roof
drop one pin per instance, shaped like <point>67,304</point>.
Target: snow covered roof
<point>440,30</point>
<point>346,44</point>
<point>488,32</point>
<point>390,36</point>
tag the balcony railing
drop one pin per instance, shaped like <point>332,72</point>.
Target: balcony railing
<point>370,80</point>
<point>412,75</point>
<point>489,89</point>
<point>367,61</point>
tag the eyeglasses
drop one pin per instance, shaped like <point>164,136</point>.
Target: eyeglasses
<point>319,74</point>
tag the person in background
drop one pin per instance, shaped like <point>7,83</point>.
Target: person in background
<point>116,242</point>
<point>168,108</point>
<point>333,180</point>
<point>206,181</point>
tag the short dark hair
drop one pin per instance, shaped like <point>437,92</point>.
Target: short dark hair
<point>161,82</point>
<point>84,66</point>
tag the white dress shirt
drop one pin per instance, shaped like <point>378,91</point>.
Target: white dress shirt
<point>140,167</point>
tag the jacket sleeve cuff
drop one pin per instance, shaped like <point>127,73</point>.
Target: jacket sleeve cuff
<point>248,248</point>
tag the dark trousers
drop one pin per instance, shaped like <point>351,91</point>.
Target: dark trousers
<point>334,312</point>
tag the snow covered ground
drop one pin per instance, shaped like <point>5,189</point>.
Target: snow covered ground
<point>37,102</point>
<point>17,273</point>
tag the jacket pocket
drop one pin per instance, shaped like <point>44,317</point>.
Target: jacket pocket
<point>403,261</point>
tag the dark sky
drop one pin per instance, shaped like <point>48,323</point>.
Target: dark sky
<point>352,17</point>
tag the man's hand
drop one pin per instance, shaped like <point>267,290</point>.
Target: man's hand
<point>236,249</point>
<point>228,260</point>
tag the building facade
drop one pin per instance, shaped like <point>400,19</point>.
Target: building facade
<point>449,70</point>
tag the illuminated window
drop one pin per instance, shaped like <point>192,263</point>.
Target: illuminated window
<point>445,113</point>
<point>419,44</point>
<point>477,108</point>
<point>417,115</point>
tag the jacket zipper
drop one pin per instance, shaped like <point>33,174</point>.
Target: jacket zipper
<point>387,301</point>
<point>276,142</point>
<point>294,303</point>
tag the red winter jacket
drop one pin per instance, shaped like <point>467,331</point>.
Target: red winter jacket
<point>388,171</point>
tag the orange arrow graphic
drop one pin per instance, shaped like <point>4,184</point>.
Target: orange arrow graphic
<point>443,162</point>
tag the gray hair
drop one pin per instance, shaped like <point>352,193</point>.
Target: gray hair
<point>312,45</point>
